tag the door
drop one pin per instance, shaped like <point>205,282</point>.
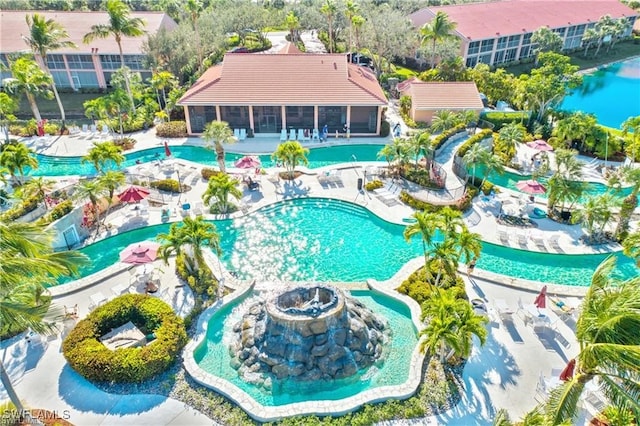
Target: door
<point>268,124</point>
<point>70,236</point>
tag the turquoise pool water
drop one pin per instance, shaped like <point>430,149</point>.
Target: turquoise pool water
<point>611,93</point>
<point>318,157</point>
<point>329,240</point>
<point>213,356</point>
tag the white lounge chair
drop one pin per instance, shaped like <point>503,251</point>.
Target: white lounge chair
<point>300,134</point>
<point>236,133</point>
<point>315,135</point>
<point>292,135</point>
<point>198,209</point>
<point>283,135</point>
<point>243,134</point>
<point>94,129</point>
<point>503,309</point>
<point>85,130</point>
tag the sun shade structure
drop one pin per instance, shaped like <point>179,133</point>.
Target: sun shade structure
<point>133,194</point>
<point>248,162</point>
<point>541,298</point>
<point>567,373</point>
<point>167,150</point>
<point>138,253</point>
<point>540,145</point>
<point>531,187</point>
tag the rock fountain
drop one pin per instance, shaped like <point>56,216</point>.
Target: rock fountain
<point>306,333</point>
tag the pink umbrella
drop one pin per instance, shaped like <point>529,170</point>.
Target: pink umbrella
<point>133,194</point>
<point>143,252</point>
<point>531,187</point>
<point>248,162</point>
<point>541,298</point>
<point>540,145</point>
<point>567,373</point>
<point>167,151</point>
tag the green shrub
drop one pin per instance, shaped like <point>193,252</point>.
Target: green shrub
<point>172,129</point>
<point>91,359</point>
<point>462,204</point>
<point>203,283</point>
<point>207,172</point>
<point>374,184</point>
<point>51,128</point>
<point>26,206</point>
<point>417,286</point>
<point>478,137</point>
<point>57,212</point>
<point>501,119</point>
<point>385,128</point>
<point>125,143</point>
<point>169,185</point>
<point>443,137</point>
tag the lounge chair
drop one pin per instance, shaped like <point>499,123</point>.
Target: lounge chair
<point>198,209</point>
<point>554,243</point>
<point>300,135</point>
<point>85,130</point>
<point>503,309</point>
<point>243,134</point>
<point>236,134</point>
<point>292,135</point>
<point>315,136</point>
<point>504,237</point>
<point>522,240</point>
<point>539,242</point>
<point>564,310</point>
<point>283,135</point>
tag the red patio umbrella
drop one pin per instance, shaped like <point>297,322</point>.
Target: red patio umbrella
<point>142,252</point>
<point>540,145</point>
<point>541,298</point>
<point>133,194</point>
<point>248,162</point>
<point>167,151</point>
<point>531,187</point>
<point>567,373</point>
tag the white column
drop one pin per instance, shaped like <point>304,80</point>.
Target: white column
<point>251,119</point>
<point>283,113</point>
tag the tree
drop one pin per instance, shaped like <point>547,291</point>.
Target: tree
<point>93,190</point>
<point>103,154</point>
<point>357,22</point>
<point>194,234</point>
<point>497,85</point>
<point>111,180</point>
<point>598,212</point>
<point>8,106</point>
<point>631,246</point>
<point>604,27</point>
<point>565,185</point>
<point>15,158</point>
<point>473,157</point>
<point>576,126</point>
<point>120,25</point>
<point>589,37</point>
<point>37,187</point>
<point>220,187</point>
<point>491,163</point>
<point>161,81</point>
<point>444,120</point>
<point>351,10</point>
<point>329,10</point>
<point>292,23</point>
<point>290,154</point>
<point>631,129</point>
<point>508,139</point>
<point>425,228</point>
<point>46,35</point>
<point>546,40</point>
<point>438,29</point>
<point>194,8</point>
<point>609,345</point>
<point>30,80</point>
<point>218,133</point>
<point>630,202</point>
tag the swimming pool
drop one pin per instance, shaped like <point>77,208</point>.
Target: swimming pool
<point>328,240</point>
<point>318,157</point>
<point>611,93</point>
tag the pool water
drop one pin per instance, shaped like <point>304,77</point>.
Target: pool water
<point>213,355</point>
<point>611,93</point>
<point>318,157</point>
<point>329,240</point>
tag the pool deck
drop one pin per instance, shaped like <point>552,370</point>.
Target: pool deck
<point>501,374</point>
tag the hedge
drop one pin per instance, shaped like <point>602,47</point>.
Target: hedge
<point>480,136</point>
<point>91,359</point>
<point>60,210</point>
<point>172,129</point>
<point>463,204</point>
<point>207,172</point>
<point>440,140</point>
<point>26,206</point>
<point>501,119</point>
<point>169,185</point>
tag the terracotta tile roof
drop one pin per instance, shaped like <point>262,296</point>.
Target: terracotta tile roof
<point>478,21</point>
<point>77,24</point>
<point>404,85</point>
<point>444,95</point>
<point>292,79</point>
<point>288,48</point>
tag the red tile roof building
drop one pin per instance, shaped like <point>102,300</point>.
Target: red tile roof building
<point>292,91</point>
<point>500,32</point>
<point>429,97</point>
<point>90,65</point>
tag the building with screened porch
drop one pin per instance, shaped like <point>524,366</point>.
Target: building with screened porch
<point>287,93</point>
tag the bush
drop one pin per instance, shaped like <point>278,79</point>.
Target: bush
<point>51,128</point>
<point>91,359</point>
<point>207,172</point>
<point>462,204</point>
<point>125,143</point>
<point>169,185</point>
<point>478,137</point>
<point>385,128</point>
<point>501,119</point>
<point>26,206</point>
<point>57,212</point>
<point>374,184</point>
<point>418,288</point>
<point>172,129</point>
<point>443,137</point>
<point>203,283</point>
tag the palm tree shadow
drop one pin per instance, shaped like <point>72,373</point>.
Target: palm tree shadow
<point>293,189</point>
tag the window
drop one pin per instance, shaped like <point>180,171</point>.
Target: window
<point>510,55</point>
<point>61,78</point>
<point>134,62</point>
<point>485,59</point>
<point>526,39</point>
<point>472,61</point>
<point>55,62</point>
<point>499,58</point>
<point>514,41</point>
<point>474,48</point>
<point>502,43</point>
<point>80,62</point>
<point>487,45</point>
<point>525,52</point>
<point>110,62</point>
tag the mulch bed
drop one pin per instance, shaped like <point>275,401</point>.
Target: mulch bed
<point>520,222</point>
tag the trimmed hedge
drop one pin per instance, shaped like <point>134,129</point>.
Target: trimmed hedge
<point>172,129</point>
<point>481,135</point>
<point>57,212</point>
<point>374,184</point>
<point>463,204</point>
<point>26,206</point>
<point>440,140</point>
<point>169,185</point>
<point>91,359</point>
<point>501,119</point>
<point>207,172</point>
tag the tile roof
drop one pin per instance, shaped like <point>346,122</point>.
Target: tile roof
<point>288,48</point>
<point>285,79</point>
<point>444,95</point>
<point>77,24</point>
<point>477,21</point>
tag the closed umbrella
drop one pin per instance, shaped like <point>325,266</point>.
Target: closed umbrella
<point>540,145</point>
<point>541,298</point>
<point>138,253</point>
<point>531,187</point>
<point>133,194</point>
<point>567,373</point>
<point>248,162</point>
<point>167,151</point>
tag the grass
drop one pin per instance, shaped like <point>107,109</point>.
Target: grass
<point>72,103</point>
<point>405,72</point>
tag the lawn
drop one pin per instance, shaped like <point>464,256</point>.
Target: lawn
<point>72,103</point>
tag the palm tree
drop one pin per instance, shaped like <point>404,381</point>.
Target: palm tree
<point>351,10</point>
<point>508,139</point>
<point>425,228</point>
<point>220,187</point>
<point>26,262</point>
<point>444,120</point>
<point>444,258</point>
<point>357,22</point>
<point>290,154</point>
<point>473,157</point>
<point>598,212</point>
<point>440,28</point>
<point>632,126</point>
<point>29,79</point>
<point>545,40</point>
<point>15,158</point>
<point>46,35</point>
<point>111,180</point>
<point>609,345</point>
<point>469,245</point>
<point>93,190</point>
<point>588,38</point>
<point>631,246</point>
<point>194,9</point>
<point>120,25</point>
<point>491,163</point>
<point>8,105</point>
<point>38,187</point>
<point>329,9</point>
<point>161,81</point>
<point>102,154</point>
<point>218,133</point>
<point>193,233</point>
<point>630,202</point>
<point>292,23</point>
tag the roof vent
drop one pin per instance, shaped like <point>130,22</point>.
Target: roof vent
<point>335,66</point>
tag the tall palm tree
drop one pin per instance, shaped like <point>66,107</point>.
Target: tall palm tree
<point>292,23</point>
<point>290,154</point>
<point>440,28</point>
<point>357,23</point>
<point>609,345</point>
<point>632,126</point>
<point>111,180</point>
<point>194,233</point>
<point>351,9</point>
<point>330,9</point>
<point>15,158</point>
<point>8,105</point>
<point>630,202</point>
<point>103,154</point>
<point>30,80</point>
<point>491,163</point>
<point>161,81</point>
<point>508,139</point>
<point>220,187</point>
<point>46,35</point>
<point>120,25</point>
<point>469,245</point>
<point>93,190</point>
<point>589,37</point>
<point>425,228</point>
<point>38,187</point>
<point>443,255</point>
<point>598,212</point>
<point>218,134</point>
<point>473,157</point>
<point>27,260</point>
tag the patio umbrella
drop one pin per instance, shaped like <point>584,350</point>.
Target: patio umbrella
<point>143,252</point>
<point>167,151</point>
<point>567,373</point>
<point>541,298</point>
<point>133,194</point>
<point>540,145</point>
<point>531,187</point>
<point>248,162</point>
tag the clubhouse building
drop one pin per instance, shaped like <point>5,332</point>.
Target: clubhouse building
<point>499,32</point>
